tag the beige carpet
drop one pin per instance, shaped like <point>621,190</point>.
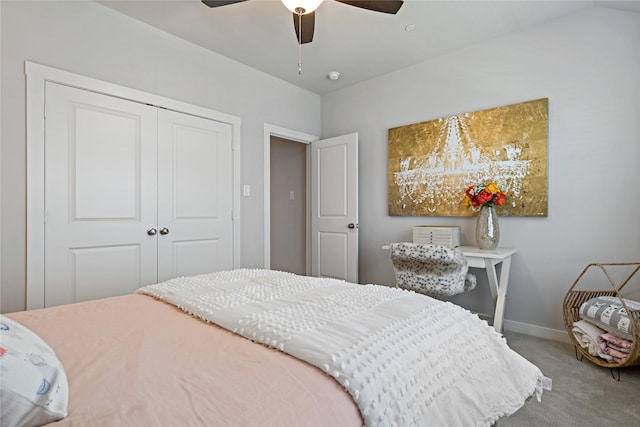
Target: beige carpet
<point>583,395</point>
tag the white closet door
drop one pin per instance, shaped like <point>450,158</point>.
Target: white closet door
<point>100,195</point>
<point>195,200</point>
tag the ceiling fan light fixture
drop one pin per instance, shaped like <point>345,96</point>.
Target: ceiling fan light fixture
<point>302,7</point>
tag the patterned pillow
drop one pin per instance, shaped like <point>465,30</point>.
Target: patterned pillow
<point>33,383</point>
<point>608,313</point>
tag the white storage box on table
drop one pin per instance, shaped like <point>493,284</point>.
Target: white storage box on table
<point>437,235</point>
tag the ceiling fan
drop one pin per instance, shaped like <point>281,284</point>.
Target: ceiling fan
<point>304,12</point>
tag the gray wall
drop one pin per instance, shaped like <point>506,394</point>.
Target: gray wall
<point>588,65</point>
<point>89,39</point>
<point>288,217</point>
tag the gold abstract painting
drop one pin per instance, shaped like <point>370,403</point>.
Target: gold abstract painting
<point>432,163</point>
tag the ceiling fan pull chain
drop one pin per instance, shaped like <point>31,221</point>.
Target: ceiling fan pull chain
<point>299,43</point>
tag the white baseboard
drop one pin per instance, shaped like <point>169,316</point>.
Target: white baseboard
<point>537,331</point>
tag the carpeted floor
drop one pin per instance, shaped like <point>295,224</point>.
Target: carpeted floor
<point>583,395</point>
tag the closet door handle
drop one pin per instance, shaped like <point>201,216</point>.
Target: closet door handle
<point>164,231</point>
<point>152,231</point>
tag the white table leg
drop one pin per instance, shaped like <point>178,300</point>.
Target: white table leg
<point>492,276</point>
<point>502,294</point>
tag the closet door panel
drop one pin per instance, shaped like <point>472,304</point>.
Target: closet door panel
<point>195,200</point>
<point>100,195</point>
<point>196,170</point>
<point>103,272</point>
<point>105,154</point>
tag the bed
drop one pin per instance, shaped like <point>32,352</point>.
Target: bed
<point>258,347</point>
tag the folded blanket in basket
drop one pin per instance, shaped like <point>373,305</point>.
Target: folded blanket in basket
<point>618,356</point>
<point>618,343</point>
<point>608,313</point>
<point>587,336</point>
<point>614,346</point>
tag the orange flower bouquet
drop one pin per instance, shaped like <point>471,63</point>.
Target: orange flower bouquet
<point>484,194</point>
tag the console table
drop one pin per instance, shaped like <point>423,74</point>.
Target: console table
<point>488,260</point>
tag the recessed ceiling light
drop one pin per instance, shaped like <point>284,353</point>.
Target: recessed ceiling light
<point>333,75</point>
<point>410,27</point>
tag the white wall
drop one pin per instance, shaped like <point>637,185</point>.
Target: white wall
<point>89,39</point>
<point>588,65</point>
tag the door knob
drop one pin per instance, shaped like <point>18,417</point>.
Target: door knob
<point>352,225</point>
<point>164,231</point>
<point>152,231</point>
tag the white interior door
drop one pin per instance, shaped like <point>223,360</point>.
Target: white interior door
<point>195,200</point>
<point>334,208</point>
<point>100,195</point>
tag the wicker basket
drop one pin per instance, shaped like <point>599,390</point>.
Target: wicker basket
<point>574,299</point>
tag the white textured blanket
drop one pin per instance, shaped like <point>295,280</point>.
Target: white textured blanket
<point>406,359</point>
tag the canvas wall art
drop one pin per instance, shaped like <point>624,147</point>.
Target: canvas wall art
<point>432,163</point>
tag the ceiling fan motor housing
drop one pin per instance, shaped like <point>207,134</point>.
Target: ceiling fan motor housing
<point>302,7</point>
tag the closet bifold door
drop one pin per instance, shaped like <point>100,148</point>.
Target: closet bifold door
<point>195,198</point>
<point>100,195</point>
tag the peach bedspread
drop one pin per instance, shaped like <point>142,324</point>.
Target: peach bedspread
<point>136,361</point>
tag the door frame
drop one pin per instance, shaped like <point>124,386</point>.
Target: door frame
<point>36,77</point>
<point>293,135</point>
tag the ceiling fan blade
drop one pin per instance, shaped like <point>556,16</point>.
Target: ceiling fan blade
<point>308,24</point>
<point>216,3</point>
<point>383,6</point>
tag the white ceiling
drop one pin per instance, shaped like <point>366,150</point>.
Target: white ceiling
<point>358,43</point>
